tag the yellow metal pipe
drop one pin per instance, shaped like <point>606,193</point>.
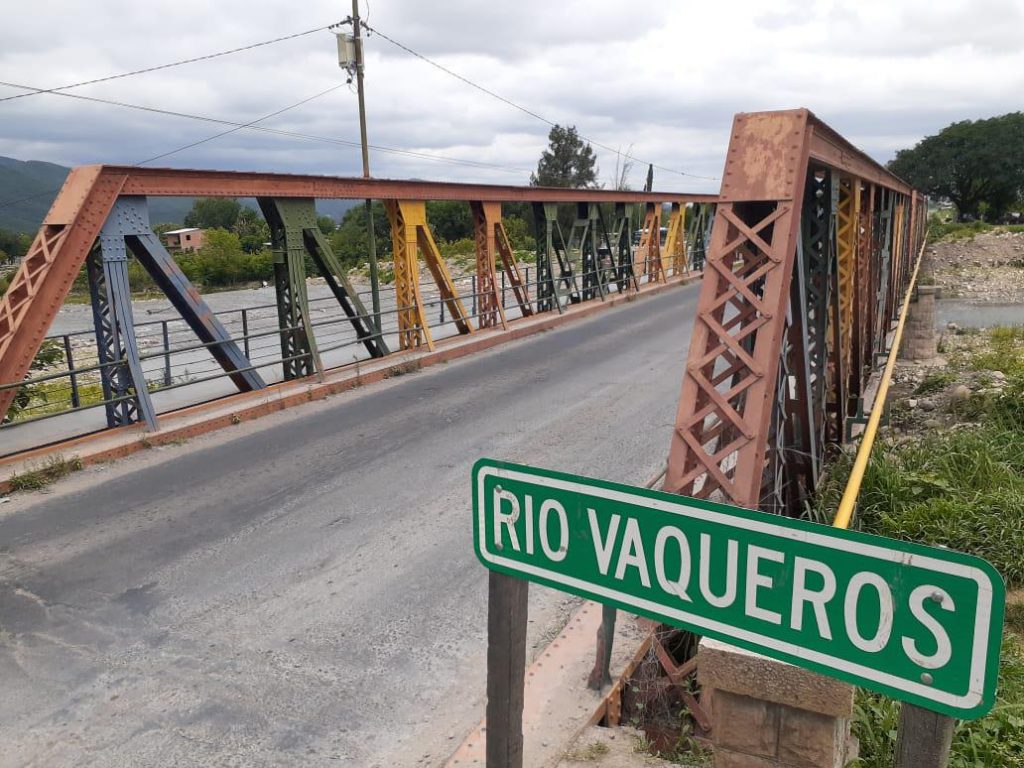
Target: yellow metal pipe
<point>860,463</point>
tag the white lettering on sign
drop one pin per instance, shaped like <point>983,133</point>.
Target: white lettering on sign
<point>631,554</point>
<point>732,557</point>
<point>505,519</point>
<point>943,649</point>
<point>756,580</point>
<point>813,586</point>
<point>853,590</point>
<point>817,598</point>
<point>603,545</point>
<point>677,587</point>
<point>563,527</point>
<point>529,524</point>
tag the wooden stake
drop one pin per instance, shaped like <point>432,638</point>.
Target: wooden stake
<point>506,669</point>
<point>924,738</point>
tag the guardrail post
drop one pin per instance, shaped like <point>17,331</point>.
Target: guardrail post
<point>474,296</point>
<point>75,401</point>
<point>506,669</point>
<point>924,738</point>
<point>167,355</point>
<point>245,332</point>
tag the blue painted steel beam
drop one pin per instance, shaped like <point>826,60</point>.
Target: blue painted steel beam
<point>166,273</point>
<point>122,377</point>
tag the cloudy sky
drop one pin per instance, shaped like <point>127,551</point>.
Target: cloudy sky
<point>664,82</point>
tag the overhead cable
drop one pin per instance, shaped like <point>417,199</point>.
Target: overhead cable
<point>169,65</point>
<point>521,108</point>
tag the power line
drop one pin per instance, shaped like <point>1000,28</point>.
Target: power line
<point>276,131</point>
<point>169,65</point>
<point>251,125</point>
<point>520,107</point>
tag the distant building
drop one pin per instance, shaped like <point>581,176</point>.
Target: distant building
<point>188,239</point>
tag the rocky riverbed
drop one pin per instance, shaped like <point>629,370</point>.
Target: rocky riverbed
<point>988,267</point>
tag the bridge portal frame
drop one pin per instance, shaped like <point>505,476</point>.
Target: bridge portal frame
<point>749,423</point>
<point>89,194</point>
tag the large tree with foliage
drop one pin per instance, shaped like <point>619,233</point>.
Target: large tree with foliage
<point>213,213</point>
<point>451,220</point>
<point>567,162</point>
<point>350,242</point>
<point>978,164</point>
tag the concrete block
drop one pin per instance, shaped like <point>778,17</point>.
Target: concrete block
<point>810,740</point>
<point>725,758</point>
<point>919,341</point>
<point>725,667</point>
<point>745,724</point>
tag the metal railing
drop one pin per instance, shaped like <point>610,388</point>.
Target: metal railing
<point>172,359</point>
<point>848,502</point>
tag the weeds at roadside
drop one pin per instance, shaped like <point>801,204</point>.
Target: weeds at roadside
<point>1015,616</point>
<point>589,753</point>
<point>934,382</point>
<point>410,366</point>
<point>50,472</point>
<point>963,488</point>
<point>994,740</point>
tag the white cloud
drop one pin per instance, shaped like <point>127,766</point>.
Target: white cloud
<point>666,83</point>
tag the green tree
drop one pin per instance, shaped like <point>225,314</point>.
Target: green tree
<point>450,220</point>
<point>213,213</point>
<point>349,240</point>
<point>978,164</point>
<point>567,162</point>
<point>326,224</point>
<point>251,229</point>
<point>14,244</point>
<point>220,261</point>
<point>519,233</point>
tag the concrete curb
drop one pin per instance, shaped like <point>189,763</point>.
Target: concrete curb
<point>196,420</point>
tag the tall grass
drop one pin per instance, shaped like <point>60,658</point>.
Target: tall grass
<point>994,741</point>
<point>962,488</point>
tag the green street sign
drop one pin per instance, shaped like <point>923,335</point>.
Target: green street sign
<point>920,624</point>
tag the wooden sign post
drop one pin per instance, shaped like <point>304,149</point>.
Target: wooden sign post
<point>506,669</point>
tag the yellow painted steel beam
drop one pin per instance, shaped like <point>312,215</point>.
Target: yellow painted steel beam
<point>847,236</point>
<point>439,270</point>
<point>675,242</point>
<point>860,464</point>
<point>413,330</point>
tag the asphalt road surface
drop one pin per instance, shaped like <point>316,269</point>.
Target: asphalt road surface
<point>302,590</point>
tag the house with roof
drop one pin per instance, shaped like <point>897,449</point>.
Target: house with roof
<point>187,239</point>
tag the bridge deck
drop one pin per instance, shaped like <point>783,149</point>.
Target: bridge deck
<point>302,589</point>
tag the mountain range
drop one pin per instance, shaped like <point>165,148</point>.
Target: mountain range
<point>28,187</point>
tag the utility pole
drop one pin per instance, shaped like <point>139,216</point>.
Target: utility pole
<point>370,236</point>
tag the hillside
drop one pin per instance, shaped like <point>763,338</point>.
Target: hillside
<point>31,179</point>
<point>27,188</point>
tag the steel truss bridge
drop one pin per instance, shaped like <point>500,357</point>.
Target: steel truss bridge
<point>806,254</point>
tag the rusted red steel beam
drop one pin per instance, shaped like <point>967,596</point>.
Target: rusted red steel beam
<point>828,147</point>
<point>720,443</point>
<point>172,182</point>
<point>70,229</point>
<point>49,268</point>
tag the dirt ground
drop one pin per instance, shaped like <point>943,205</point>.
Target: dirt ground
<point>986,267</point>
